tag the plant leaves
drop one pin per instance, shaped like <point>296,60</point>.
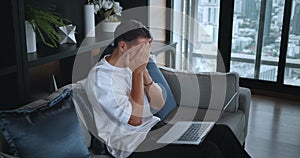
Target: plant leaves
<point>45,22</point>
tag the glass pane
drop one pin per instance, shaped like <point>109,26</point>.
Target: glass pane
<point>205,48</point>
<point>246,66</point>
<point>268,73</point>
<point>292,76</point>
<point>246,36</point>
<point>292,70</point>
<point>202,64</point>
<point>271,39</point>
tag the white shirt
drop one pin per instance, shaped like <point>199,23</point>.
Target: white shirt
<point>108,89</point>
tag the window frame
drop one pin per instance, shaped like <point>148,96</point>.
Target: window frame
<point>277,88</point>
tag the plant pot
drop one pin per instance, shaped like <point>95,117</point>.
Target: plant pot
<point>109,26</point>
<point>30,38</point>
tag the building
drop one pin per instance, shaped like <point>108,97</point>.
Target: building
<point>268,17</point>
<point>249,9</point>
<point>295,26</point>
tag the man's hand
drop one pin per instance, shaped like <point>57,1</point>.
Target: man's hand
<point>138,57</point>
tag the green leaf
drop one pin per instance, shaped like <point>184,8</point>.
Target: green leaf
<point>45,22</point>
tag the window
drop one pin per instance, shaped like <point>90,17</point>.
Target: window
<point>292,68</point>
<point>261,43</point>
<point>257,38</point>
<point>199,24</point>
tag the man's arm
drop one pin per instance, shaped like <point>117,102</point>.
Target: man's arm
<point>137,98</point>
<point>153,92</point>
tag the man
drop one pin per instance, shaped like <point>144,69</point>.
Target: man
<point>125,99</point>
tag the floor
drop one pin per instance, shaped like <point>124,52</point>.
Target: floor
<point>274,128</point>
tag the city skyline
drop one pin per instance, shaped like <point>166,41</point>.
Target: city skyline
<point>245,38</point>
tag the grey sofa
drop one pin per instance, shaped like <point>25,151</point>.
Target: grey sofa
<point>196,92</point>
<point>205,87</point>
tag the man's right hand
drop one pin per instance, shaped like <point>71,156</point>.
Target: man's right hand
<point>138,56</point>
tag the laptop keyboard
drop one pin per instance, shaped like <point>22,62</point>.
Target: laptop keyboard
<point>193,133</point>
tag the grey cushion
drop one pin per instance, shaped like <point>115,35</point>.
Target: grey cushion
<point>203,90</point>
<point>188,113</point>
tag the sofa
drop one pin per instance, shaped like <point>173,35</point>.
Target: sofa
<point>208,88</point>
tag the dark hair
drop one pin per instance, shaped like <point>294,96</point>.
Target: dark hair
<point>132,35</point>
<point>127,31</point>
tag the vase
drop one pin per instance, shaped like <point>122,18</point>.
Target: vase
<point>89,20</point>
<point>30,37</point>
<point>107,26</point>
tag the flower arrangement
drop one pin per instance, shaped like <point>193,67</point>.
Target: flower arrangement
<point>108,9</point>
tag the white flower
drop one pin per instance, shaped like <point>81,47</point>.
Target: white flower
<point>99,3</point>
<point>117,8</point>
<point>96,8</point>
<point>107,4</point>
<point>109,9</point>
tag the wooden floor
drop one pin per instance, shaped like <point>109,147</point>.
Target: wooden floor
<point>274,128</point>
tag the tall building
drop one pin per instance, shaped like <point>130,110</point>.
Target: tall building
<point>295,26</point>
<point>208,15</point>
<point>238,7</point>
<point>249,9</point>
<point>268,17</point>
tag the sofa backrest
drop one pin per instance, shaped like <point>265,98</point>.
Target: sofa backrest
<point>204,90</point>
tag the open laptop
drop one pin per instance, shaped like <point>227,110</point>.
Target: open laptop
<point>190,132</point>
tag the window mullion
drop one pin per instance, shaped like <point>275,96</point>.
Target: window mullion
<point>260,39</point>
<point>186,34</point>
<point>191,33</point>
<point>284,40</point>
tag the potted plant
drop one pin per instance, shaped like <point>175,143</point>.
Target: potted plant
<point>110,11</point>
<point>44,23</point>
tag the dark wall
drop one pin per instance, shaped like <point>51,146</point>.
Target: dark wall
<point>72,10</point>
<point>11,81</point>
<point>135,9</point>
<point>6,58</point>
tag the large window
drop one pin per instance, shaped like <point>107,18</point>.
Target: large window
<point>292,68</point>
<point>256,40</point>
<point>199,22</point>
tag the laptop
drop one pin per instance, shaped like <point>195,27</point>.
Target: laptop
<point>190,132</point>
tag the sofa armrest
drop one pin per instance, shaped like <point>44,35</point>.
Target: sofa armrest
<point>244,104</point>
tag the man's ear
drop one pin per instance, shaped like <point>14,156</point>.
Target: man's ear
<point>122,45</point>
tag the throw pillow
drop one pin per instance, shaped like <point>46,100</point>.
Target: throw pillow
<point>49,131</point>
<point>158,77</point>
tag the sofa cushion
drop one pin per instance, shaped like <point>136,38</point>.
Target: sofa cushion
<point>47,131</point>
<point>82,106</point>
<point>188,113</point>
<point>211,90</point>
<point>158,77</point>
